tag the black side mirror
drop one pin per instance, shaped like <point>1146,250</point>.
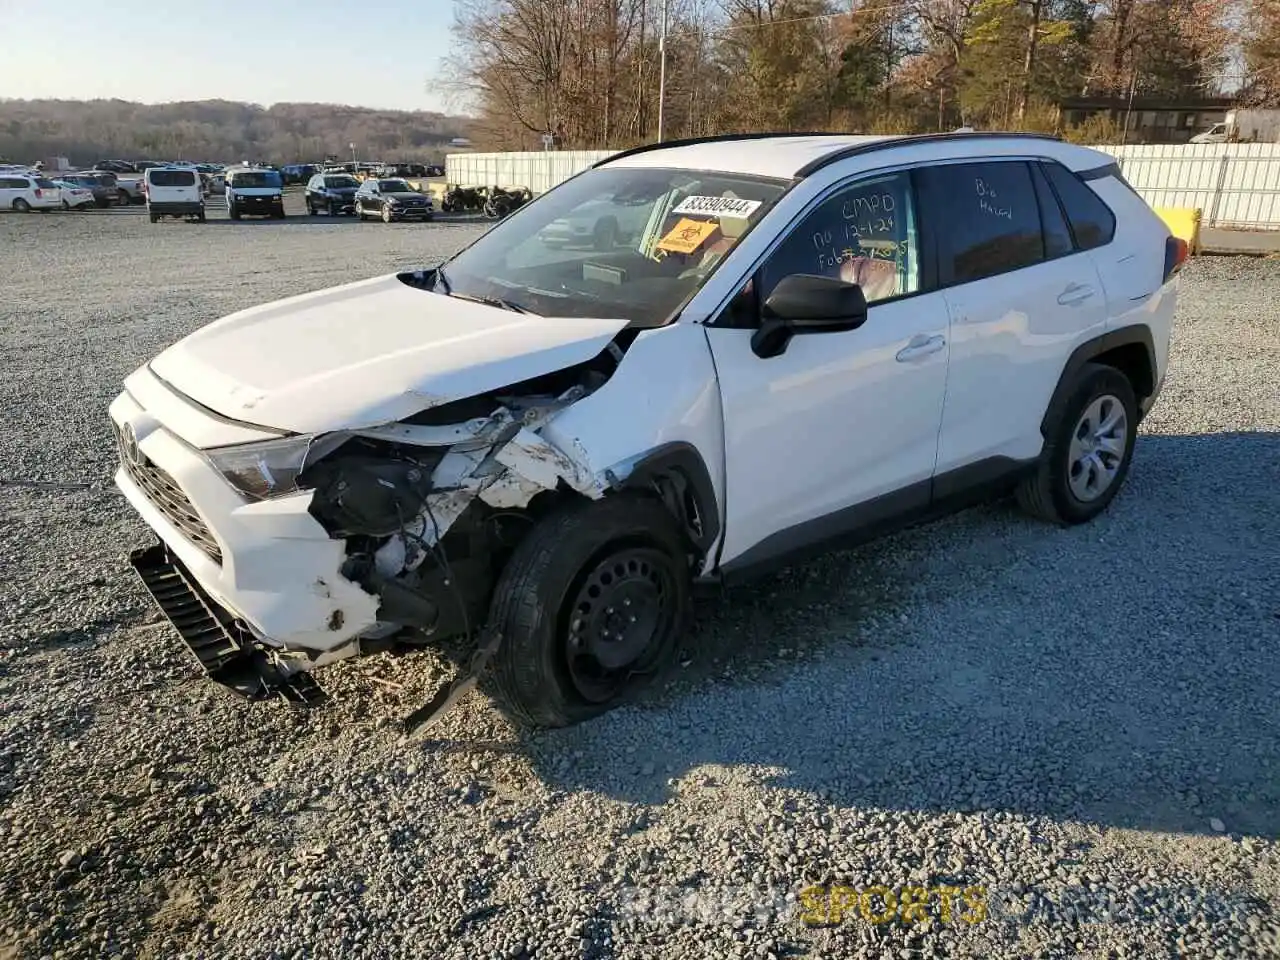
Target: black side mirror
<point>807,303</point>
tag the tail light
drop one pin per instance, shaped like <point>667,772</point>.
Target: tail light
<point>39,193</point>
<point>1176,252</point>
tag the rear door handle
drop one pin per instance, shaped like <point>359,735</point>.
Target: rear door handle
<point>1075,294</point>
<point>920,347</point>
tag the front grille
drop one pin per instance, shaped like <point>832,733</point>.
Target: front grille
<point>167,496</point>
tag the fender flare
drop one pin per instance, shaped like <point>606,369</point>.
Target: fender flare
<point>682,462</point>
<point>1138,333</point>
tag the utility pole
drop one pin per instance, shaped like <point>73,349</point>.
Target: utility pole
<point>662,68</point>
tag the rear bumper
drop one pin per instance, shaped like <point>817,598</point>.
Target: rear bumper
<point>179,209</point>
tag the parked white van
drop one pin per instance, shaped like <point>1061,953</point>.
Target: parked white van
<point>173,192</point>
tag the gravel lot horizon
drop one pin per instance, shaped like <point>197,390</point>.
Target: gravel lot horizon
<point>1075,729</point>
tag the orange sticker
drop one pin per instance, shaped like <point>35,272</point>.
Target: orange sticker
<point>688,235</point>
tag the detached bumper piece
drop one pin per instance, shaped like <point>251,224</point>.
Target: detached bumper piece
<point>220,642</point>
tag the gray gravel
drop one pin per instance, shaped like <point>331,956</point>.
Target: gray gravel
<point>1083,723</point>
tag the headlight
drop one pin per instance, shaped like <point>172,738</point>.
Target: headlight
<point>263,470</point>
<point>393,201</point>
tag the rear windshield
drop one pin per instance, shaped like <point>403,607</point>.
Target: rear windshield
<point>256,178</point>
<point>172,178</point>
<point>337,183</point>
<point>44,184</point>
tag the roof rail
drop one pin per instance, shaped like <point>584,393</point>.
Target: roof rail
<point>718,138</point>
<point>857,149</point>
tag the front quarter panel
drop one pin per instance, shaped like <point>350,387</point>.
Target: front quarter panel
<point>664,391</point>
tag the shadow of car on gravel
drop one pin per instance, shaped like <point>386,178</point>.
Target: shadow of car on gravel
<point>1121,673</point>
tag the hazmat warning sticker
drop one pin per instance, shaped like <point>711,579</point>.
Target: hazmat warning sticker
<point>688,235</point>
<point>717,206</point>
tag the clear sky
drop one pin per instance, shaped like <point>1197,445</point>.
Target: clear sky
<point>325,51</point>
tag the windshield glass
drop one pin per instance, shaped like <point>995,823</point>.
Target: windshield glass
<point>394,186</point>
<point>256,178</point>
<point>44,184</point>
<point>340,183</point>
<point>632,243</point>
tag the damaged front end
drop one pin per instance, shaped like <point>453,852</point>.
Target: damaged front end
<point>427,511</point>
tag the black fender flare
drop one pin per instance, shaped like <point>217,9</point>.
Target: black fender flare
<point>1138,333</point>
<point>677,472</point>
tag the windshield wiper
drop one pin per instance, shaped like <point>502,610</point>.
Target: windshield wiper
<point>494,302</point>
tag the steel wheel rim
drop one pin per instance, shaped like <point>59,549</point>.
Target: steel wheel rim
<point>619,621</point>
<point>1098,445</point>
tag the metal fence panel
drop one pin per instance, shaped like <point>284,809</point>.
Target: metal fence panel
<point>1233,184</point>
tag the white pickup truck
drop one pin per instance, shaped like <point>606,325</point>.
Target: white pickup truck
<point>1244,126</point>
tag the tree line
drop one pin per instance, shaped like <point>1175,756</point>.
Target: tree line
<point>588,71</point>
<point>218,130</point>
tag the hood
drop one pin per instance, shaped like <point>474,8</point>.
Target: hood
<point>366,353</point>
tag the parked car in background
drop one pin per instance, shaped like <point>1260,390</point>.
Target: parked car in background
<point>25,192</point>
<point>333,193</point>
<point>174,192</point>
<point>101,185</point>
<point>75,196</point>
<point>115,166</point>
<point>392,200</point>
<point>128,187</point>
<point>217,183</point>
<point>254,191</point>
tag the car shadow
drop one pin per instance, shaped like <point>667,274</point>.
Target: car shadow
<point>1121,673</point>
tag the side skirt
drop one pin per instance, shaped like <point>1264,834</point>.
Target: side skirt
<point>861,523</point>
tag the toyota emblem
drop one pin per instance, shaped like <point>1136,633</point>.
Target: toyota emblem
<point>129,445</point>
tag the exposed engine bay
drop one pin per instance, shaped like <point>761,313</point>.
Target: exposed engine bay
<point>431,507</point>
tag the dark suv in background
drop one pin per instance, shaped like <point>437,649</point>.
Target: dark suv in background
<point>333,193</point>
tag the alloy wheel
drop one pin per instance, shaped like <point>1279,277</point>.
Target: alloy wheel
<point>1097,448</point>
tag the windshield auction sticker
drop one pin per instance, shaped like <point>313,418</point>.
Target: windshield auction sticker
<point>717,206</point>
<point>688,235</point>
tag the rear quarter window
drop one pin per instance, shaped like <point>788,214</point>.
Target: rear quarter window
<point>1091,220</point>
<point>171,178</point>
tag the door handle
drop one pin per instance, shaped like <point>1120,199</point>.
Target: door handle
<point>1075,294</point>
<point>920,347</point>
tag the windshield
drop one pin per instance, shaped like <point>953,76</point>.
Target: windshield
<point>340,183</point>
<point>256,178</point>
<point>631,243</point>
<point>394,186</point>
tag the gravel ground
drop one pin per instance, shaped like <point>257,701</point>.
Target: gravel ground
<point>1077,727</point>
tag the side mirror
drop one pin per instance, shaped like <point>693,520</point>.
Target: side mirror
<point>807,303</point>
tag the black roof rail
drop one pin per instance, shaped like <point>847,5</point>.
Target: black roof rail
<point>857,149</point>
<point>718,138</point>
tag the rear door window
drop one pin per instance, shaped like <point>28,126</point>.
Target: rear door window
<point>985,216</point>
<point>172,178</point>
<point>1092,222</point>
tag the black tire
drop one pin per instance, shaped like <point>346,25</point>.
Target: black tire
<point>233,212</point>
<point>122,198</point>
<point>1047,494</point>
<point>21,206</point>
<point>386,214</point>
<point>155,217</point>
<point>333,209</point>
<point>65,205</point>
<point>311,210</point>
<point>532,677</point>
<point>200,217</point>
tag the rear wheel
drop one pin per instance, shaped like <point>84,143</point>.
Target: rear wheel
<point>122,198</point>
<point>21,206</point>
<point>1086,457</point>
<point>590,608</point>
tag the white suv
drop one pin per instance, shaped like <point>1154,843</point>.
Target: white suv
<point>24,192</point>
<point>812,340</point>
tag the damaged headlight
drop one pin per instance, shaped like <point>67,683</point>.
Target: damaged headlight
<point>265,469</point>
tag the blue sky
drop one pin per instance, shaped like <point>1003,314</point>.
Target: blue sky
<point>327,51</point>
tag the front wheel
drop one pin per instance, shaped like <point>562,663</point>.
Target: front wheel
<point>590,608</point>
<point>233,212</point>
<point>65,205</point>
<point>1087,453</point>
<point>386,214</point>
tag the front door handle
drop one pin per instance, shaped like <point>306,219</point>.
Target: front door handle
<point>1075,294</point>
<point>919,347</point>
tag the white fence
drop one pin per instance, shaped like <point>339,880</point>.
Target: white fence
<point>1234,185</point>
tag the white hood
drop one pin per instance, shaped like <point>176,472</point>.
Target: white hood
<point>367,353</point>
